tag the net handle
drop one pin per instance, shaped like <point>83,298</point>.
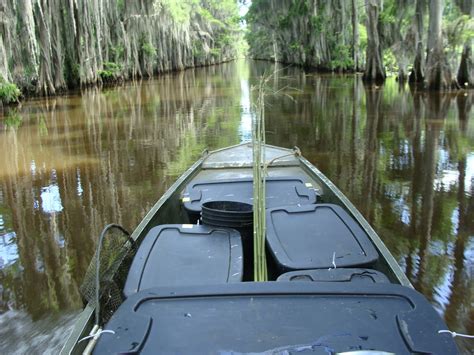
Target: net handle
<point>97,276</point>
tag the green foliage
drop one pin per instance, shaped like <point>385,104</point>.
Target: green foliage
<point>120,6</point>
<point>342,58</point>
<point>216,52</point>
<point>299,8</point>
<point>295,46</point>
<point>180,11</point>
<point>117,52</point>
<point>318,23</point>
<point>198,52</point>
<point>209,18</point>
<point>389,13</point>
<point>224,39</point>
<point>390,62</point>
<point>148,50</point>
<point>110,72</point>
<point>459,30</point>
<point>9,92</point>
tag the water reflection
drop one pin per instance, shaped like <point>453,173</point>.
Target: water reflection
<point>245,128</point>
<point>8,248</point>
<point>73,164</point>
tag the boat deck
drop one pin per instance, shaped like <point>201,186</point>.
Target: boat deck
<point>240,156</point>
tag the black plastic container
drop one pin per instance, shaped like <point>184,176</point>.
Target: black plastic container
<point>280,191</point>
<point>316,237</point>
<point>236,215</point>
<point>277,318</point>
<point>336,275</point>
<point>227,214</point>
<point>179,255</point>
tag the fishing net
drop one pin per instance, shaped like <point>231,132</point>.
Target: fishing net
<point>109,266</point>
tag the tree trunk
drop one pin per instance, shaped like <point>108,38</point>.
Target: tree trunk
<point>4,70</point>
<point>402,68</point>
<point>275,48</point>
<point>438,73</point>
<point>374,70</point>
<point>418,72</point>
<point>460,283</point>
<point>45,79</point>
<point>3,61</point>
<point>355,35</point>
<point>373,100</point>
<point>464,105</point>
<point>466,71</point>
<point>427,206</point>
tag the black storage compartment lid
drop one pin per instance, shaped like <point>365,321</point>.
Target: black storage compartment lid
<point>317,236</point>
<point>178,255</point>
<point>276,318</point>
<point>336,275</point>
<point>280,191</point>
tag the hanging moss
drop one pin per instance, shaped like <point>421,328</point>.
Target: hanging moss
<point>304,32</point>
<point>117,52</point>
<point>53,45</point>
<point>148,50</point>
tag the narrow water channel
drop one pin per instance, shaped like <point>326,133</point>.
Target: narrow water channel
<point>71,164</point>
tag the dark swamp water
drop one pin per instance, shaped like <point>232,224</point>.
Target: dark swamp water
<point>69,165</point>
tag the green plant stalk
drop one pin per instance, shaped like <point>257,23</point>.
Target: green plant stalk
<point>259,173</point>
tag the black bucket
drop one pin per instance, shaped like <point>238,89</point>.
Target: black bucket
<point>227,214</point>
<point>237,215</point>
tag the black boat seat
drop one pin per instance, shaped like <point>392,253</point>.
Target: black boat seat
<point>280,191</point>
<point>276,318</point>
<point>179,255</point>
<point>319,236</point>
<point>336,275</point>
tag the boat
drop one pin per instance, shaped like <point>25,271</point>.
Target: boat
<point>333,286</point>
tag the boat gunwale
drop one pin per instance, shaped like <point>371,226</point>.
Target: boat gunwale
<point>374,237</point>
